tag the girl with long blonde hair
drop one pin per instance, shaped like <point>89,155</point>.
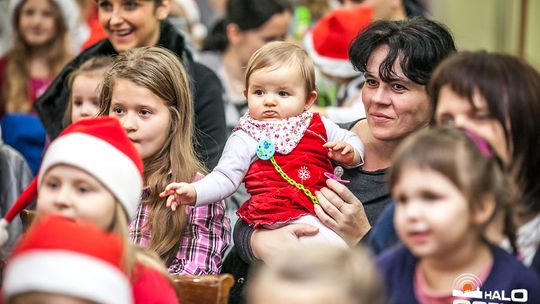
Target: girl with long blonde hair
<point>147,89</point>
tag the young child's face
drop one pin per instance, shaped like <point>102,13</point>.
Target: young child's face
<point>76,194</point>
<point>277,93</point>
<point>37,22</point>
<point>144,116</point>
<point>432,215</point>
<point>84,97</point>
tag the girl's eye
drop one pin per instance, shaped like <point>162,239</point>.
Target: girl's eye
<point>83,189</point>
<point>77,103</point>
<point>258,92</point>
<point>105,5</point>
<point>430,196</point>
<point>482,116</point>
<point>51,184</point>
<point>401,199</point>
<point>48,14</point>
<point>445,120</point>
<point>28,12</point>
<point>145,112</point>
<point>283,94</point>
<point>131,5</point>
<point>118,111</point>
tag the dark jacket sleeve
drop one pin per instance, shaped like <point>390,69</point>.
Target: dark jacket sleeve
<point>210,126</point>
<point>242,240</point>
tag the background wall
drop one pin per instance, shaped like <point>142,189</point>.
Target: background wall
<point>492,25</point>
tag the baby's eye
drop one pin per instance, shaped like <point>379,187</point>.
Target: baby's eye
<point>258,92</point>
<point>283,93</point>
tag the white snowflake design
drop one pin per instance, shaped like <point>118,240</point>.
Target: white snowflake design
<point>303,173</point>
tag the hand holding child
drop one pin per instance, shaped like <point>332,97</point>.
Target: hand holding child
<point>343,153</point>
<point>179,194</point>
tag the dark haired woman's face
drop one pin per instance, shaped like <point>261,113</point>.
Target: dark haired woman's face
<point>459,111</point>
<point>394,109</point>
<point>132,23</point>
<point>245,43</point>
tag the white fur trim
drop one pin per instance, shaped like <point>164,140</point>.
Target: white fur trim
<point>331,66</point>
<point>114,169</point>
<point>4,235</point>
<point>69,9</point>
<point>67,273</point>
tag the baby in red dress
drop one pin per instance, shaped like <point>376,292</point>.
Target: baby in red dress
<point>280,149</point>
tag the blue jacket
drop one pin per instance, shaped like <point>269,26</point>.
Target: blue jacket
<point>398,267</point>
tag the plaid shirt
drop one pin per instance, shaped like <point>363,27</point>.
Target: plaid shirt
<point>205,238</point>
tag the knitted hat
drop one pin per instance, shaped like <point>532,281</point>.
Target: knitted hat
<point>61,256</point>
<point>100,147</point>
<point>329,40</point>
<point>68,8</point>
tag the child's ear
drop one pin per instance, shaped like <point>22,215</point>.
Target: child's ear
<point>310,100</point>
<point>233,33</point>
<point>245,93</point>
<point>484,211</point>
<point>163,9</point>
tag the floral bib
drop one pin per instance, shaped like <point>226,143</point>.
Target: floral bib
<point>284,133</point>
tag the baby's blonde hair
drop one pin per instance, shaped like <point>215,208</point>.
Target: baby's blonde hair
<point>345,275</point>
<point>283,53</point>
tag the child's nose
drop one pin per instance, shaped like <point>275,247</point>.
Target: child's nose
<point>62,200</point>
<point>129,123</point>
<point>270,100</point>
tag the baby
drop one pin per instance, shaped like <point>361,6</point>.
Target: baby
<point>280,149</point>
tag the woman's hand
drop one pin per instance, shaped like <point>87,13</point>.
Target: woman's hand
<point>342,212</point>
<point>265,242</point>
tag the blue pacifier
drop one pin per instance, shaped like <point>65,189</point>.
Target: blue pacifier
<point>265,149</point>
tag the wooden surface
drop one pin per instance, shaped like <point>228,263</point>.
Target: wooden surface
<point>207,289</point>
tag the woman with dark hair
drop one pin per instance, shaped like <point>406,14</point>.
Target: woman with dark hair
<point>397,58</point>
<point>137,23</point>
<point>498,96</point>
<point>247,25</point>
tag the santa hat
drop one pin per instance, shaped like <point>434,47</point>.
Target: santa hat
<point>98,146</point>
<point>329,40</point>
<point>61,256</point>
<point>68,8</point>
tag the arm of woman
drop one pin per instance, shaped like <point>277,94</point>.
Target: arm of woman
<point>205,238</point>
<point>260,244</point>
<point>342,212</point>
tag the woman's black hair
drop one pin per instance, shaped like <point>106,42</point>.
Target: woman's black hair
<point>247,15</point>
<point>419,43</point>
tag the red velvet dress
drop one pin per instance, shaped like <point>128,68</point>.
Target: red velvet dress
<point>273,200</point>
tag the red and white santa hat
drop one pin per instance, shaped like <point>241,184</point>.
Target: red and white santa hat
<point>64,257</point>
<point>328,41</point>
<point>100,147</point>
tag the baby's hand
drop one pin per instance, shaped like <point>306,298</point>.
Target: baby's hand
<point>343,153</point>
<point>179,194</point>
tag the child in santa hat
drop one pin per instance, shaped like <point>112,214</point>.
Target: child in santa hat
<point>61,260</point>
<point>93,172</point>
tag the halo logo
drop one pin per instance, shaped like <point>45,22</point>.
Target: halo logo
<point>467,286</point>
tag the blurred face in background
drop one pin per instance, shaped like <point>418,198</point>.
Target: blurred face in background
<point>245,43</point>
<point>38,22</point>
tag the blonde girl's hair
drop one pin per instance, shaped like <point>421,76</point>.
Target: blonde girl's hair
<point>467,161</point>
<point>283,53</point>
<point>15,88</point>
<point>348,272</point>
<point>160,71</point>
<point>93,67</point>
